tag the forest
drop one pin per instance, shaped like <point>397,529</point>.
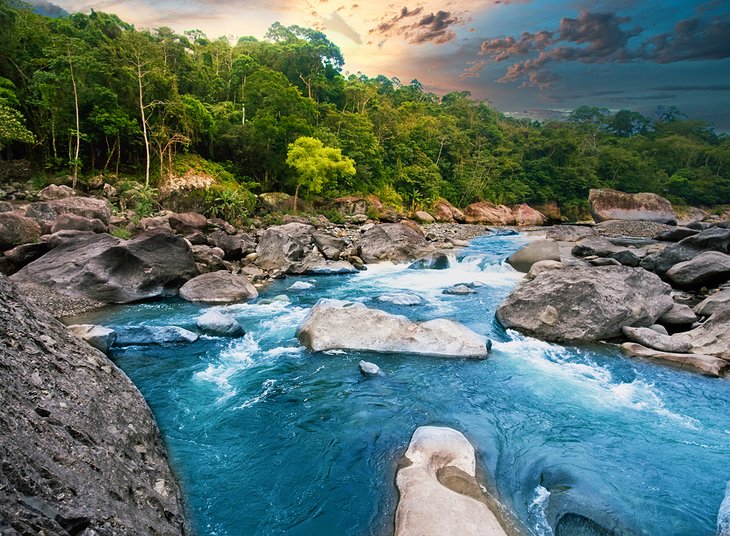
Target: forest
<point>84,95</point>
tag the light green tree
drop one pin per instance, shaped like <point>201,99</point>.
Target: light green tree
<point>316,164</point>
<point>12,127</point>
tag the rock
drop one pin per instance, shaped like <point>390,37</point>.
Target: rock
<point>357,219</point>
<point>157,223</point>
<point>489,214</point>
<point>152,335</point>
<point>330,268</point>
<point>214,322</point>
<point>569,233</point>
<point>275,202</point>
<point>421,216</point>
<point>198,238</point>
<point>218,288</point>
<point>75,434</point>
<point>333,324</point>
<point>401,298</point>
<point>679,315</point>
<point>53,191</point>
<point>539,250</point>
<point>301,285</point>
<point>714,302</point>
<point>328,245</point>
<point>445,212</point>
<point>580,303</point>
<point>99,337</point>
<point>46,212</point>
<point>659,329</point>
<point>72,222</point>
<point>281,246</point>
<point>439,494</point>
<point>705,364</point>
<point>676,234</point>
<point>543,266</point>
<point>210,259</point>
<point>369,369</point>
<point>187,223</point>
<point>526,215</point>
<point>604,248</point>
<point>456,242</point>
<point>714,239</point>
<point>459,290</point>
<point>712,337</point>
<point>110,270</point>
<point>353,205</point>
<point>6,207</point>
<point>217,224</point>
<point>602,261</point>
<point>235,247</point>
<point>437,261</point>
<point>63,237</point>
<point>630,229</point>
<point>723,515</point>
<point>16,229</point>
<point>393,242</point>
<point>606,204</point>
<point>648,337</point>
<point>706,269</point>
<point>27,253</point>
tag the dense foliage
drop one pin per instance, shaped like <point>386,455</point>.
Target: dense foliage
<point>88,93</point>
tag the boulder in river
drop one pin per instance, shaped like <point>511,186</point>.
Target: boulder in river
<point>394,242</point>
<point>333,324</point>
<point>368,369</point>
<point>401,298</point>
<point>214,322</point>
<point>152,335</point>
<point>706,269</point>
<point>713,239</point>
<point>99,337</point>
<point>110,270</point>
<point>706,364</point>
<point>459,290</point>
<point>606,204</point>
<point>676,344</point>
<point>439,494</point>
<point>580,303</point>
<point>539,250</point>
<point>219,287</point>
<point>81,451</point>
<point>281,246</point>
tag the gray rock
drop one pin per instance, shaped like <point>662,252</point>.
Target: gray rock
<point>301,285</point>
<point>75,437</point>
<point>72,222</point>
<point>459,290</point>
<point>110,270</point>
<point>714,302</point>
<point>46,212</point>
<point>214,322</point>
<point>679,315</point>
<point>187,223</point>
<point>333,324</point>
<point>54,191</point>
<point>26,253</point>
<point>282,246</point>
<point>437,261</point>
<point>234,247</point>
<point>152,335</point>
<point>210,258</point>
<point>710,365</point>
<point>439,494</point>
<point>401,298</point>
<point>569,233</point>
<point>99,337</point>
<point>328,245</point>
<point>580,303</point>
<point>392,242</point>
<point>369,369</point>
<point>677,344</point>
<point>539,250</point>
<point>712,337</point>
<point>62,237</point>
<point>218,288</point>
<point>714,239</point>
<point>6,207</point>
<point>16,229</point>
<point>602,261</point>
<point>723,515</point>
<point>606,204</point>
<point>602,247</point>
<point>659,329</point>
<point>330,268</point>
<point>706,269</point>
<point>542,266</point>
<point>676,234</point>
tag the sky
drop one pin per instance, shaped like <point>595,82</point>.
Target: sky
<point>534,58</point>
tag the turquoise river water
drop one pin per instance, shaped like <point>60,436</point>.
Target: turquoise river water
<point>269,439</point>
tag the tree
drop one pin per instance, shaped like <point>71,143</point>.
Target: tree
<point>12,127</point>
<point>316,164</point>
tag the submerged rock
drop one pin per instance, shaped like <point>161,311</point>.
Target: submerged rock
<point>401,298</point>
<point>99,337</point>
<point>437,261</point>
<point>459,290</point>
<point>301,285</point>
<point>216,323</point>
<point>539,250</point>
<point>333,324</point>
<point>438,488</point>
<point>81,452</point>
<point>369,369</point>
<point>218,288</point>
<point>152,335</point>
<point>580,303</point>
<point>706,364</point>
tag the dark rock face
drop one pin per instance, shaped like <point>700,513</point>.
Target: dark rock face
<point>392,242</point>
<point>580,303</point>
<point>606,204</point>
<point>329,246</point>
<point>233,246</point>
<point>80,450</point>
<point>715,239</point>
<point>16,229</point>
<point>72,222</point>
<point>107,269</point>
<point>187,222</point>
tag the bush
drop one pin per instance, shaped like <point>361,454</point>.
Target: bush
<point>229,202</point>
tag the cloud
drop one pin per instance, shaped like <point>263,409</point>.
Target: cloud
<point>474,69</point>
<point>385,27</point>
<point>604,38</point>
<point>337,24</point>
<point>711,87</point>
<point>434,27</point>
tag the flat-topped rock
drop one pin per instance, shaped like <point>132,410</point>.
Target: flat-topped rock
<point>100,337</point>
<point>606,204</point>
<point>706,364</point>
<point>219,287</point>
<point>439,494</point>
<point>539,250</point>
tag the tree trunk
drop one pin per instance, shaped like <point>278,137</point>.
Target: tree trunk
<point>144,122</point>
<point>296,197</point>
<point>78,133</point>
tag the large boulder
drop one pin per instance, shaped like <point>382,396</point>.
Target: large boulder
<point>489,214</point>
<point>679,315</point>
<point>218,288</point>
<point>186,223</point>
<point>328,245</point>
<point>712,337</point>
<point>606,204</point>
<point>235,246</point>
<point>714,239</point>
<point>706,364</point>
<point>55,191</point>
<point>392,242</point>
<point>539,250</point>
<point>214,322</point>
<point>602,247</point>
<point>445,212</point>
<point>281,246</point>
<point>333,324</point>
<point>81,452</point>
<point>706,269</point>
<point>526,215</point>
<point>110,270</point>
<point>46,212</point>
<point>16,229</point>
<point>99,337</point>
<point>580,303</point>
<point>26,253</point>
<point>72,222</point>
<point>274,202</point>
<point>439,494</point>
<point>714,302</point>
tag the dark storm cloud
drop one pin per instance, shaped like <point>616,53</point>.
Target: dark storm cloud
<point>692,39</point>
<point>711,87</point>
